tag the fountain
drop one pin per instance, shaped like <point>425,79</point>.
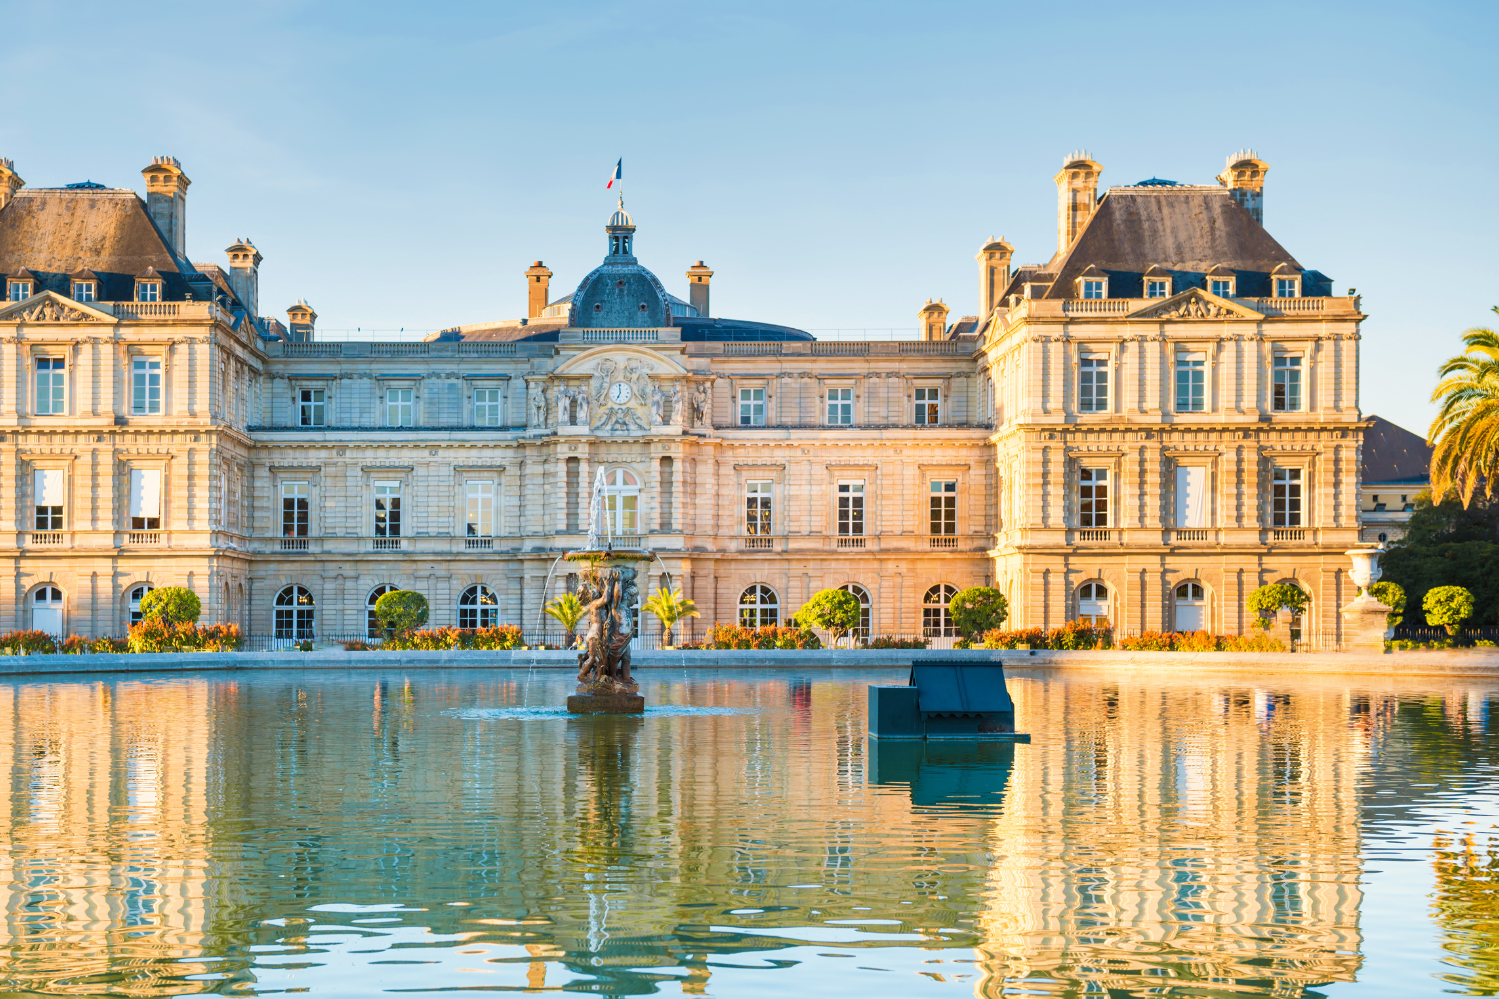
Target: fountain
<point>609,593</point>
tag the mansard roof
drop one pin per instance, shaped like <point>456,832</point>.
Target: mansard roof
<point>692,329</point>
<point>1393,454</point>
<point>1182,230</point>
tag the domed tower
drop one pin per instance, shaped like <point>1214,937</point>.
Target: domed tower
<point>619,293</point>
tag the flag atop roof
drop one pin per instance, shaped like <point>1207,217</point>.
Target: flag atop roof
<point>618,174</point>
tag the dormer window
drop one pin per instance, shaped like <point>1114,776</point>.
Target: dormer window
<point>1288,287</point>
<point>1222,287</point>
<point>148,291</point>
<point>18,289</point>
<point>1095,288</point>
<point>85,291</point>
<point>1157,288</point>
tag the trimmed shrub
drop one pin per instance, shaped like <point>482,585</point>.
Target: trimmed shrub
<point>505,636</point>
<point>977,610</point>
<point>1392,595</point>
<point>1448,606</point>
<point>403,610</point>
<point>155,635</point>
<point>733,636</point>
<point>172,604</point>
<point>834,611</point>
<point>1072,635</point>
<point>887,642</point>
<point>1199,641</point>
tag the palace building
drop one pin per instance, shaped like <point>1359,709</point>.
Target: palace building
<point>1143,429</point>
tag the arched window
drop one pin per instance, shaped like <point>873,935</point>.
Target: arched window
<point>372,623</point>
<point>1093,605</point>
<point>622,501</point>
<point>46,610</point>
<point>935,620</point>
<point>136,592</point>
<point>294,613</point>
<point>862,595</point>
<point>1191,607</point>
<point>478,608</point>
<point>759,607</point>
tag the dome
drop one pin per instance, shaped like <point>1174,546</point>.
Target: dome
<point>621,218</point>
<point>620,295</point>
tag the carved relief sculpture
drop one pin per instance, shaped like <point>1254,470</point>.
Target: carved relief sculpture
<point>538,405</point>
<point>700,404</point>
<point>658,402</point>
<point>677,412</point>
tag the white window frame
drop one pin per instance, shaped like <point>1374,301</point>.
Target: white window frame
<point>942,507</point>
<point>1093,489</point>
<point>387,501</point>
<point>1287,284</point>
<point>759,612</point>
<point>1193,363</point>
<point>489,407</point>
<point>296,522</point>
<point>759,507</point>
<point>49,516</point>
<point>85,291</point>
<point>852,508</point>
<point>53,399</point>
<point>1288,508</point>
<point>928,405</point>
<point>1157,287</point>
<point>1092,288</point>
<point>840,406</point>
<point>18,291</point>
<point>400,410</point>
<point>1287,393</point>
<point>139,515</point>
<point>479,508</point>
<point>1213,282</point>
<point>312,406</point>
<point>148,291</point>
<point>146,372</point>
<point>622,500</point>
<point>751,406</point>
<point>1093,383</point>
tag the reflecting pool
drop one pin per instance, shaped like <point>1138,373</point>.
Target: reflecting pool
<point>350,834</point>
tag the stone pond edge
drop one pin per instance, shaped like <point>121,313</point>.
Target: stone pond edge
<point>1466,662</point>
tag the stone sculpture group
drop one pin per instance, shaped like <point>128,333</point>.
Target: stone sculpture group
<point>609,596</point>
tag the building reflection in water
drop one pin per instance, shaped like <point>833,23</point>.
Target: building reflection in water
<point>1188,838</point>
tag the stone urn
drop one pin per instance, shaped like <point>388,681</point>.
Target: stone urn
<point>1365,620</point>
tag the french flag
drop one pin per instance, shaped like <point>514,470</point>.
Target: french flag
<point>618,174</point>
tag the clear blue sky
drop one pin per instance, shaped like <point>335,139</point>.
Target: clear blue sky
<point>400,165</point>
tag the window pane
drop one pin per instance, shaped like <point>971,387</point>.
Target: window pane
<point>1093,385</point>
<point>387,509</point>
<point>487,407</point>
<point>757,512</point>
<point>145,386</point>
<point>479,519</point>
<point>943,507</point>
<point>294,509</point>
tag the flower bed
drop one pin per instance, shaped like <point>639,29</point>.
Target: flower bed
<point>1075,636</point>
<point>506,636</point>
<point>733,636</point>
<point>153,635</point>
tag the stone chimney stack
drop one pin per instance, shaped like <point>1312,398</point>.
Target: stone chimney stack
<point>244,274</point>
<point>697,287</point>
<point>166,200</point>
<point>10,181</point>
<point>1077,196</point>
<point>1244,176</point>
<point>538,281</point>
<point>994,273</point>
<point>299,321</point>
<point>933,319</point>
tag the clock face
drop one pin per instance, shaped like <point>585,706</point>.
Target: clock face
<point>619,393</point>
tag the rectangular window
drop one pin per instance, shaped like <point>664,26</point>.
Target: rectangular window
<point>1093,385</point>
<point>148,291</point>
<point>479,516</point>
<point>313,408</point>
<point>85,291</point>
<point>1155,289</point>
<point>850,508</point>
<point>48,486</point>
<point>145,499</point>
<point>928,406</point>
<point>752,407</point>
<point>294,509</point>
<point>486,407</point>
<point>757,507</point>
<point>388,509</point>
<point>1093,497</point>
<point>1092,289</point>
<point>1191,496</point>
<point>1286,287</point>
<point>840,407</point>
<point>1286,383</point>
<point>943,507</point>
<point>398,409</point>
<point>1221,288</point>
<point>20,291</point>
<point>1286,499</point>
<point>1191,383</point>
<point>145,386</point>
<point>50,394</point>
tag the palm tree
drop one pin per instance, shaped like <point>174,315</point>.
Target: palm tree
<point>568,611</point>
<point>1465,434</point>
<point>670,608</point>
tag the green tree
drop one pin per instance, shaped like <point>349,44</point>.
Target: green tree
<point>1393,597</point>
<point>1268,600</point>
<point>669,608</point>
<point>1465,434</point>
<point>401,610</point>
<point>567,610</point>
<point>171,605</point>
<point>978,609</point>
<point>1448,606</point>
<point>1448,544</point>
<point>834,611</point>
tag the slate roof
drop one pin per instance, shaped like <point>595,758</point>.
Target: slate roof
<point>1393,454</point>
<point>55,232</point>
<point>1184,230</point>
<point>692,329</point>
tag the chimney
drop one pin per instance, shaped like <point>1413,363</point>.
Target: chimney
<point>933,319</point>
<point>1244,176</point>
<point>538,280</point>
<point>166,200</point>
<point>244,275</point>
<point>10,181</point>
<point>1077,196</point>
<point>697,287</point>
<point>994,273</point>
<point>299,321</point>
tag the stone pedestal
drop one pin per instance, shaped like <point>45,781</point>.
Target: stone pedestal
<point>606,703</point>
<point>1365,625</point>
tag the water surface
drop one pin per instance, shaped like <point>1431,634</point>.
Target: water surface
<point>352,834</point>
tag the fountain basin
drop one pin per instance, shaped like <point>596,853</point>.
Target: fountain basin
<point>612,702</point>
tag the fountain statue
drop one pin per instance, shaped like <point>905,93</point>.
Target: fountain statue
<point>610,595</point>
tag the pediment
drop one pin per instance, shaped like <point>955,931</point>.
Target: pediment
<point>654,362</point>
<point>1194,303</point>
<point>50,307</point>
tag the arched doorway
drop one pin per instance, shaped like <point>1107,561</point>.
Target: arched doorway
<point>478,607</point>
<point>936,622</point>
<point>861,632</point>
<point>759,607</point>
<point>1093,607</point>
<point>1191,607</point>
<point>294,613</point>
<point>136,594</point>
<point>46,610</point>
<point>372,623</point>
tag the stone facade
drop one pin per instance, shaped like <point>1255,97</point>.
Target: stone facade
<point>297,476</point>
